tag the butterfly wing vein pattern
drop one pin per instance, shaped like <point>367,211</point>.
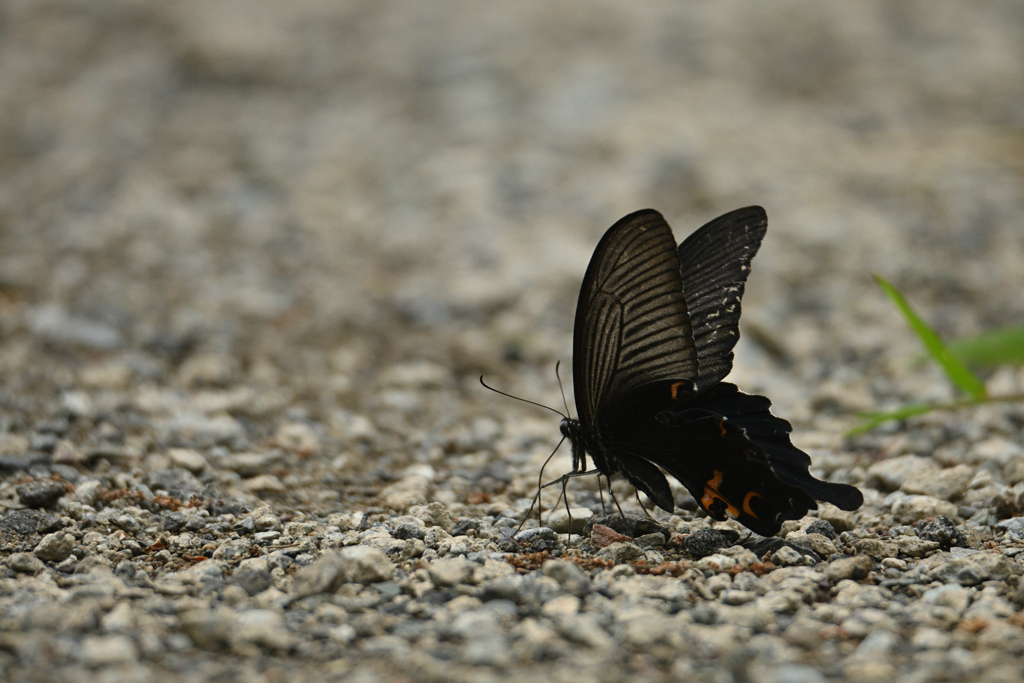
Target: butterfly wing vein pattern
<point>654,335</point>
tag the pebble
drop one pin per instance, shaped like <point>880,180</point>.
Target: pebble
<point>26,563</point>
<point>856,568</point>
<point>559,519</point>
<point>97,651</point>
<point>55,547</point>
<point>41,493</point>
<point>910,509</point>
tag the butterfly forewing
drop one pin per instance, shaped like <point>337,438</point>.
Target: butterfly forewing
<point>631,322</point>
<point>714,264</point>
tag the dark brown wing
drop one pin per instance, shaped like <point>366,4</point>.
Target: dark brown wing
<point>726,447</point>
<point>631,323</point>
<point>714,263</point>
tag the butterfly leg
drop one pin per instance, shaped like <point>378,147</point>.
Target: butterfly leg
<point>614,499</point>
<point>640,503</point>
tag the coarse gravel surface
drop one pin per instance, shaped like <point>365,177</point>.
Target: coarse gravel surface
<point>255,255</point>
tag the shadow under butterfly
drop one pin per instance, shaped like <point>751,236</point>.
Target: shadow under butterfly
<point>654,335</point>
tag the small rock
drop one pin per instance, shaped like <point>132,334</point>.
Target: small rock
<point>855,568</point>
<point>876,548</point>
<point>943,531</point>
<point>559,519</point>
<point>25,563</point>
<point>177,482</point>
<point>55,325</point>
<point>841,520</point>
<point>434,514</point>
<point>787,557</point>
<point>250,464</point>
<point>120,619</point>
<point>891,474</point>
<point>948,484</point>
<point>298,437</point>
<point>265,483</point>
<point>107,650</point>
<point>569,576</point>
<point>602,536</point>
<point>737,597</point>
<point>87,492</point>
<point>354,564</point>
<point>704,542</point>
<point>173,522</point>
<point>621,552</point>
<point>262,627</point>
<point>997,449</point>
<point>654,540</point>
<point>252,575</point>
<point>820,526</point>
<point>41,493</point>
<point>450,572</point>
<point>55,547</point>
<point>188,459</point>
<point>915,547</point>
<point>27,522</point>
<point>970,570</point>
<point>951,595</point>
<point>910,509</point>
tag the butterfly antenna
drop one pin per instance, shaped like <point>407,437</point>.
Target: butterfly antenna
<point>532,403</point>
<point>560,388</point>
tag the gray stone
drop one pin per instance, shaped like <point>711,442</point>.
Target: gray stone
<point>450,572</point>
<point>179,481</point>
<point>209,629</point>
<point>55,547</point>
<point>951,595</point>
<point>569,576</point>
<point>253,575</point>
<point>970,570</point>
<point>264,628</point>
<point>943,531</point>
<point>787,557</point>
<point>654,540</point>
<point>890,475</point>
<point>948,484</point>
<point>41,493</point>
<point>100,651</point>
<point>855,568</point>
<point>55,325</point>
<point>434,514</point>
<point>559,518</point>
<point>25,563</point>
<point>910,509</point>
<point>355,564</point>
<point>621,552</point>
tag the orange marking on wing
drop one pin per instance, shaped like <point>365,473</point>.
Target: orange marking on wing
<point>675,388</point>
<point>746,503</point>
<point>721,425</point>
<point>711,494</point>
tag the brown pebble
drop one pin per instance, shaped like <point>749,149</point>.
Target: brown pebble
<point>602,536</point>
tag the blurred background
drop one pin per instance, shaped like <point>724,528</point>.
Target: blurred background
<point>343,200</point>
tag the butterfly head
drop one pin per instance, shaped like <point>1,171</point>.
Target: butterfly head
<point>570,428</point>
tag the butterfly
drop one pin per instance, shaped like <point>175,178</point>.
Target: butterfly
<point>654,335</point>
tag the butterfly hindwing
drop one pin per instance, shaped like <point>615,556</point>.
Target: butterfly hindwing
<point>727,473</point>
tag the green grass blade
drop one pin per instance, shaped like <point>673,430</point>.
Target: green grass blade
<point>999,347</point>
<point>955,370</point>
<point>872,420</point>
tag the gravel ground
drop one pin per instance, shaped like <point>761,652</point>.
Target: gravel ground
<point>255,255</point>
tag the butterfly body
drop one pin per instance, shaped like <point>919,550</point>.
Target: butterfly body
<point>654,332</point>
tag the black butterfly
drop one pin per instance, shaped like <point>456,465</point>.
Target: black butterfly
<point>654,333</point>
